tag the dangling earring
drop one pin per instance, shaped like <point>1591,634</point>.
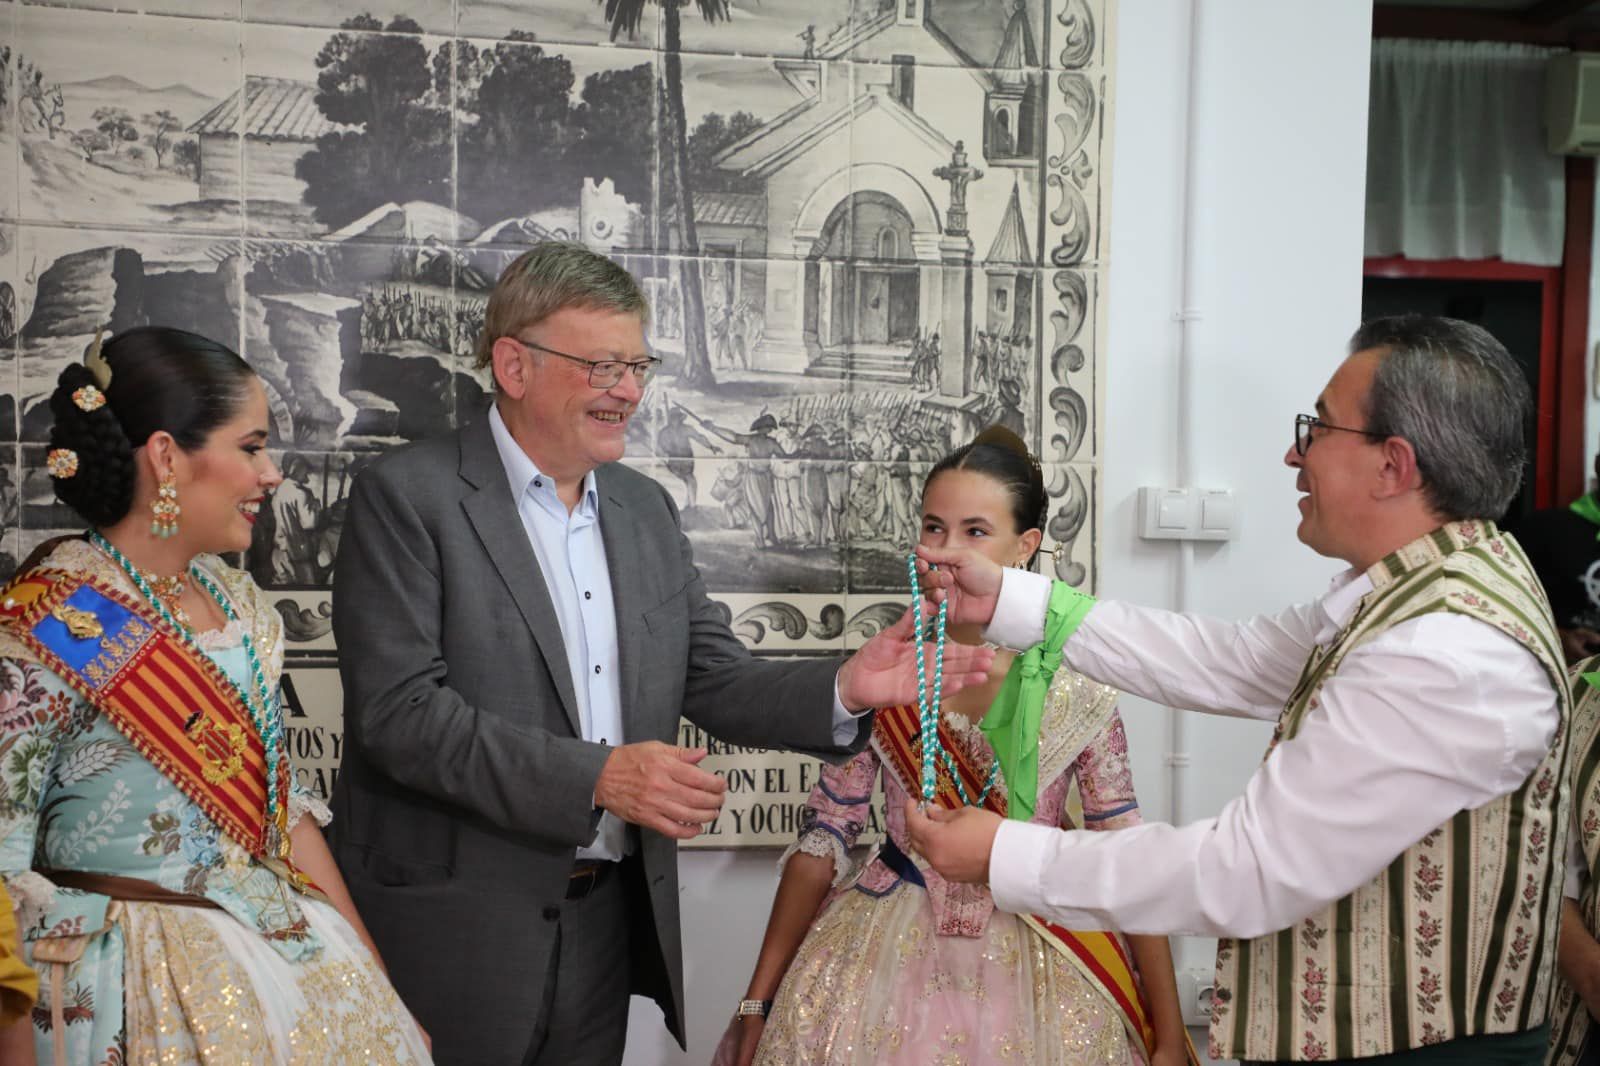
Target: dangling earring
<point>165,508</point>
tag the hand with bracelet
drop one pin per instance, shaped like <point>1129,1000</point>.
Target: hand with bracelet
<point>750,1017</point>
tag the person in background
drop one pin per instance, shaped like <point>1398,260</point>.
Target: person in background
<point>1574,1035</point>
<point>19,989</point>
<point>1563,544</point>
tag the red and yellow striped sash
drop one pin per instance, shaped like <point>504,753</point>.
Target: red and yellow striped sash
<point>175,706</point>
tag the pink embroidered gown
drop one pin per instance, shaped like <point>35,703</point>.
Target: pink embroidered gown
<point>891,972</point>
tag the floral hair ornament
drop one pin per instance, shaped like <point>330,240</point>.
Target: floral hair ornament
<point>88,398</point>
<point>61,462</point>
<point>98,367</point>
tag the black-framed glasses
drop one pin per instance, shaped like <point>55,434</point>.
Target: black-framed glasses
<point>1304,424</point>
<point>604,373</point>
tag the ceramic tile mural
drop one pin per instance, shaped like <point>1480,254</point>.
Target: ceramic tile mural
<point>886,232</point>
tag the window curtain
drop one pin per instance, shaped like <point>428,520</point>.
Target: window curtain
<point>1456,161</point>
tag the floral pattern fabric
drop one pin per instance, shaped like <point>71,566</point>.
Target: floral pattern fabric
<point>76,795</point>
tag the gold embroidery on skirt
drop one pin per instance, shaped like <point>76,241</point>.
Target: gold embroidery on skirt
<point>846,998</point>
<point>189,1000</point>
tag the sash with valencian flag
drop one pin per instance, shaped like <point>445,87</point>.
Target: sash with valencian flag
<point>174,705</point>
<point>1101,957</point>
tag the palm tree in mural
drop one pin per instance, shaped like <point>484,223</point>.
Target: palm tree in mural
<point>625,16</point>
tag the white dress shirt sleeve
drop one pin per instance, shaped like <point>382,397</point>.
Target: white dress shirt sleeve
<point>1434,716</point>
<point>1244,669</point>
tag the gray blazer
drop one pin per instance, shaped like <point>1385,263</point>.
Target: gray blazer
<point>465,787</point>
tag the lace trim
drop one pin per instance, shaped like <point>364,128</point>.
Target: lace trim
<point>33,896</point>
<point>229,636</point>
<point>824,845</point>
<point>304,803</point>
<point>958,721</point>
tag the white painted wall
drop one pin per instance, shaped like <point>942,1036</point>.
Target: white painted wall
<point>1282,137</point>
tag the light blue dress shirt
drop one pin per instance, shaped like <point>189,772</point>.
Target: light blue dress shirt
<point>572,558</point>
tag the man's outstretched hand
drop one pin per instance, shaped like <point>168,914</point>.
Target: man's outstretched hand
<point>660,787</point>
<point>883,673</point>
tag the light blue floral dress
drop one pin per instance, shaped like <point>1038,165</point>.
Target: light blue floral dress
<point>271,976</point>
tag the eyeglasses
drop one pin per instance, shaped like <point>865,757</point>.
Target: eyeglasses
<point>1304,424</point>
<point>604,373</point>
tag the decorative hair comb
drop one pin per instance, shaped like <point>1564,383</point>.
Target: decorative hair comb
<point>98,367</point>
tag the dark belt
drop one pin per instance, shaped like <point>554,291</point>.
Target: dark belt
<point>586,877</point>
<point>898,861</point>
<point>130,889</point>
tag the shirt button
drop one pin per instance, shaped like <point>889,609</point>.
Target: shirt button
<point>552,913</point>
<point>538,484</point>
<point>597,668</point>
<point>588,595</point>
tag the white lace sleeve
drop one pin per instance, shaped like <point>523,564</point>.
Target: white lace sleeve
<point>302,803</point>
<point>33,896</point>
<point>824,845</point>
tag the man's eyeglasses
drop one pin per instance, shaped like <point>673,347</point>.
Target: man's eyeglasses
<point>603,373</point>
<point>1304,424</point>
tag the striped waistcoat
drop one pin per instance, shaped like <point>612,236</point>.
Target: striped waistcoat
<point>1457,936</point>
<point>1569,1018</point>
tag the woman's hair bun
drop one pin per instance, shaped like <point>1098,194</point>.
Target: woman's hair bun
<point>102,489</point>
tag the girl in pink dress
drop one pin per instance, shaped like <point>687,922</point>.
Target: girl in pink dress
<point>884,961</point>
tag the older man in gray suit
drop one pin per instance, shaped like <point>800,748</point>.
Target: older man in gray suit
<point>521,625</point>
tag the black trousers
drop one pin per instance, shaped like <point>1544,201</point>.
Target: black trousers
<point>585,1014</point>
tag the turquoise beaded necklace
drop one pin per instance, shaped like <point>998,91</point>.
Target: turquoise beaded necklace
<point>928,704</point>
<point>265,712</point>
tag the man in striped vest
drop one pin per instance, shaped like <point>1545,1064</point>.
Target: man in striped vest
<point>1574,1036</point>
<point>1387,888</point>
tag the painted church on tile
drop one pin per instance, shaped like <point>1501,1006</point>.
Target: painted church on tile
<point>895,242</point>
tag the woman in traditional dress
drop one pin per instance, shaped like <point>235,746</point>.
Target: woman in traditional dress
<point>886,962</point>
<point>174,890</point>
<point>19,988</point>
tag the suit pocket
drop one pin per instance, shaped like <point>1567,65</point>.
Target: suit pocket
<point>394,871</point>
<point>670,615</point>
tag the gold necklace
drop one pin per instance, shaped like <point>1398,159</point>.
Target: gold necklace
<point>169,590</point>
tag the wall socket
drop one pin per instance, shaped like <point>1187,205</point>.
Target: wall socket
<point>1195,988</point>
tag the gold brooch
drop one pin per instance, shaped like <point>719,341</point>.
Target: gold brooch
<point>89,398</point>
<point>83,625</point>
<point>222,746</point>
<point>61,462</point>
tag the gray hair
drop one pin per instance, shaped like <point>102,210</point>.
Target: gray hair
<point>1460,399</point>
<point>549,277</point>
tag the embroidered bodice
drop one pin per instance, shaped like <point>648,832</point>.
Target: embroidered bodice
<point>1081,741</point>
<point>75,794</point>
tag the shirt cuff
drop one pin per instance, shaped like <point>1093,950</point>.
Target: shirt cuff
<point>1016,865</point>
<point>846,723</point>
<point>1019,612</point>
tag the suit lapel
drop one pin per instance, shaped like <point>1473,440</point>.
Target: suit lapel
<point>621,538</point>
<point>494,517</point>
